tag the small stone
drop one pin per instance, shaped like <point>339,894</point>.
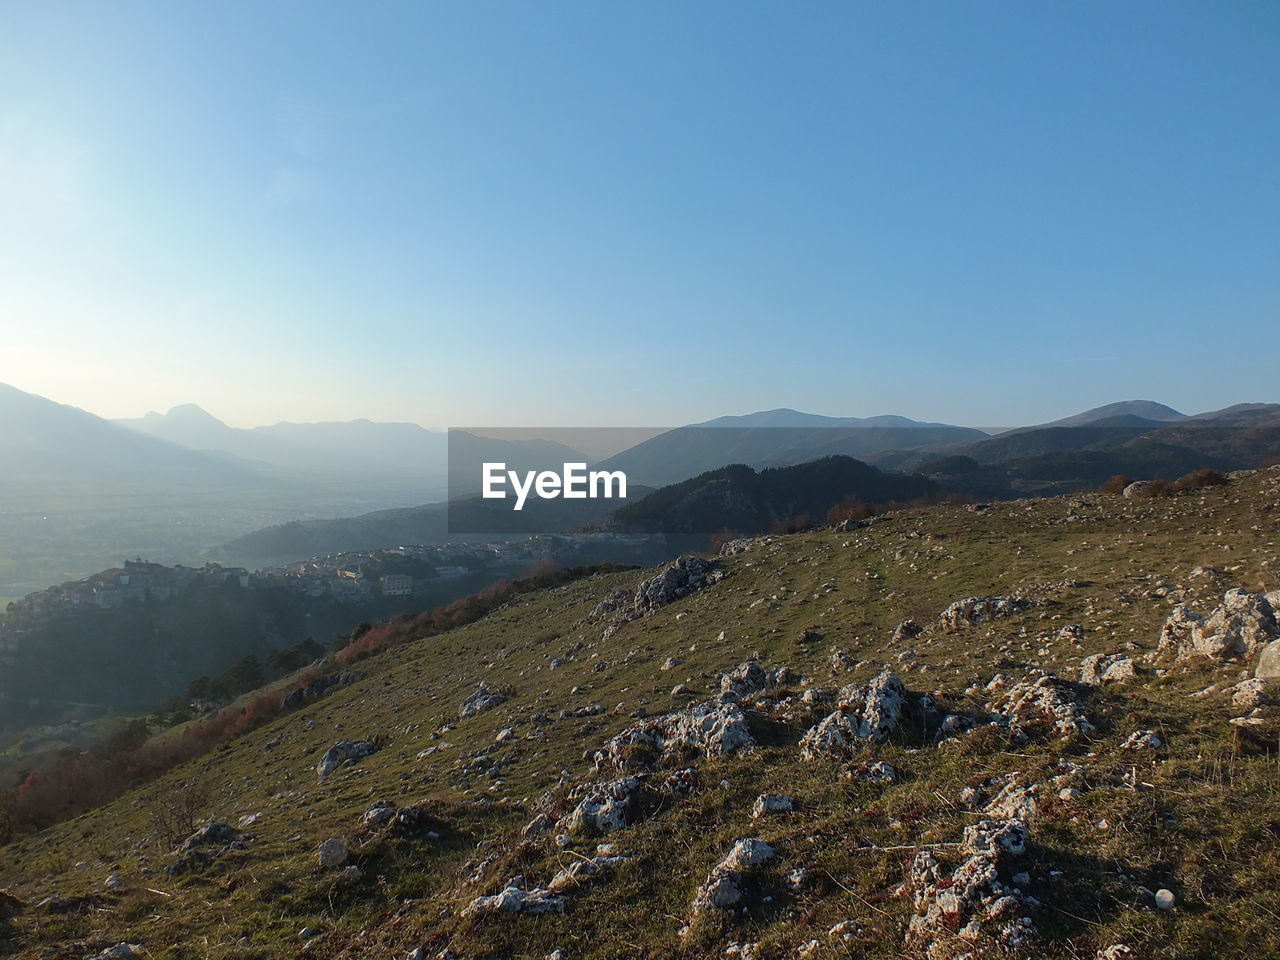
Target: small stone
<point>332,854</point>
<point>1164,899</point>
<point>768,803</point>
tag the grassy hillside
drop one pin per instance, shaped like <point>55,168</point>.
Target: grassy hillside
<point>1112,824</point>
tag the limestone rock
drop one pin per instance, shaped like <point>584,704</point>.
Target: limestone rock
<point>723,886</point>
<point>1250,694</point>
<point>340,753</point>
<point>214,834</point>
<point>709,729</point>
<point>1041,700</point>
<point>512,899</point>
<point>380,814</point>
<point>333,853</point>
<point>580,872</point>
<point>481,700</point>
<point>1142,740</point>
<point>1269,662</point>
<point>869,715</point>
<point>685,576</point>
<point>1103,668</point>
<point>1240,627</point>
<point>604,808</point>
<point>973,610</point>
<point>768,803</point>
<point>973,901</point>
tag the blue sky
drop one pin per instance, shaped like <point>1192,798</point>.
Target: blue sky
<point>606,213</point>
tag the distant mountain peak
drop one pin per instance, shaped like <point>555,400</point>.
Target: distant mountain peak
<point>1143,409</point>
<point>188,413</point>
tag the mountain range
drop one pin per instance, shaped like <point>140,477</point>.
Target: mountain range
<point>79,491</point>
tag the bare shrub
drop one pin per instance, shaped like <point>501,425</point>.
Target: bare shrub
<point>177,809</point>
<point>1115,485</point>
<point>1199,480</point>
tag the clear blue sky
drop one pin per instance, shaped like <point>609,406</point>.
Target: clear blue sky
<point>642,213</point>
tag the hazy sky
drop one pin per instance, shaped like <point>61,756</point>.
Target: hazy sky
<point>641,213</point>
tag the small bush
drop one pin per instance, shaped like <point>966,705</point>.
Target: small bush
<point>1199,480</point>
<point>796,524</point>
<point>1115,485</point>
<point>1156,488</point>
<point>851,508</point>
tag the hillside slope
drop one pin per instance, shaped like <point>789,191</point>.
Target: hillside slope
<point>984,810</point>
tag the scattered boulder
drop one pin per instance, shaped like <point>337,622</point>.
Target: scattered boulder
<point>1016,801</point>
<point>710,728</point>
<point>1251,694</point>
<point>343,751</point>
<point>865,715</point>
<point>768,803</point>
<point>121,951</point>
<point>973,610</point>
<point>512,899</point>
<point>1040,701</point>
<point>212,834</point>
<point>1142,740</point>
<point>202,848</point>
<point>333,853</point>
<point>747,679</point>
<point>1104,668</point>
<point>974,902</point>
<point>580,872</point>
<point>877,772</point>
<point>744,680</point>
<point>723,886</point>
<point>733,547</point>
<point>954,724</point>
<point>540,826</point>
<point>314,690</point>
<point>836,735</point>
<point>1240,628</point>
<point>481,700</point>
<point>1116,951</point>
<point>687,575</point>
<point>1269,662</point>
<point>379,815</point>
<point>605,807</point>
<point>906,631</point>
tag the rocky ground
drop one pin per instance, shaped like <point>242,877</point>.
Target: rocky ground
<point>1038,729</point>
